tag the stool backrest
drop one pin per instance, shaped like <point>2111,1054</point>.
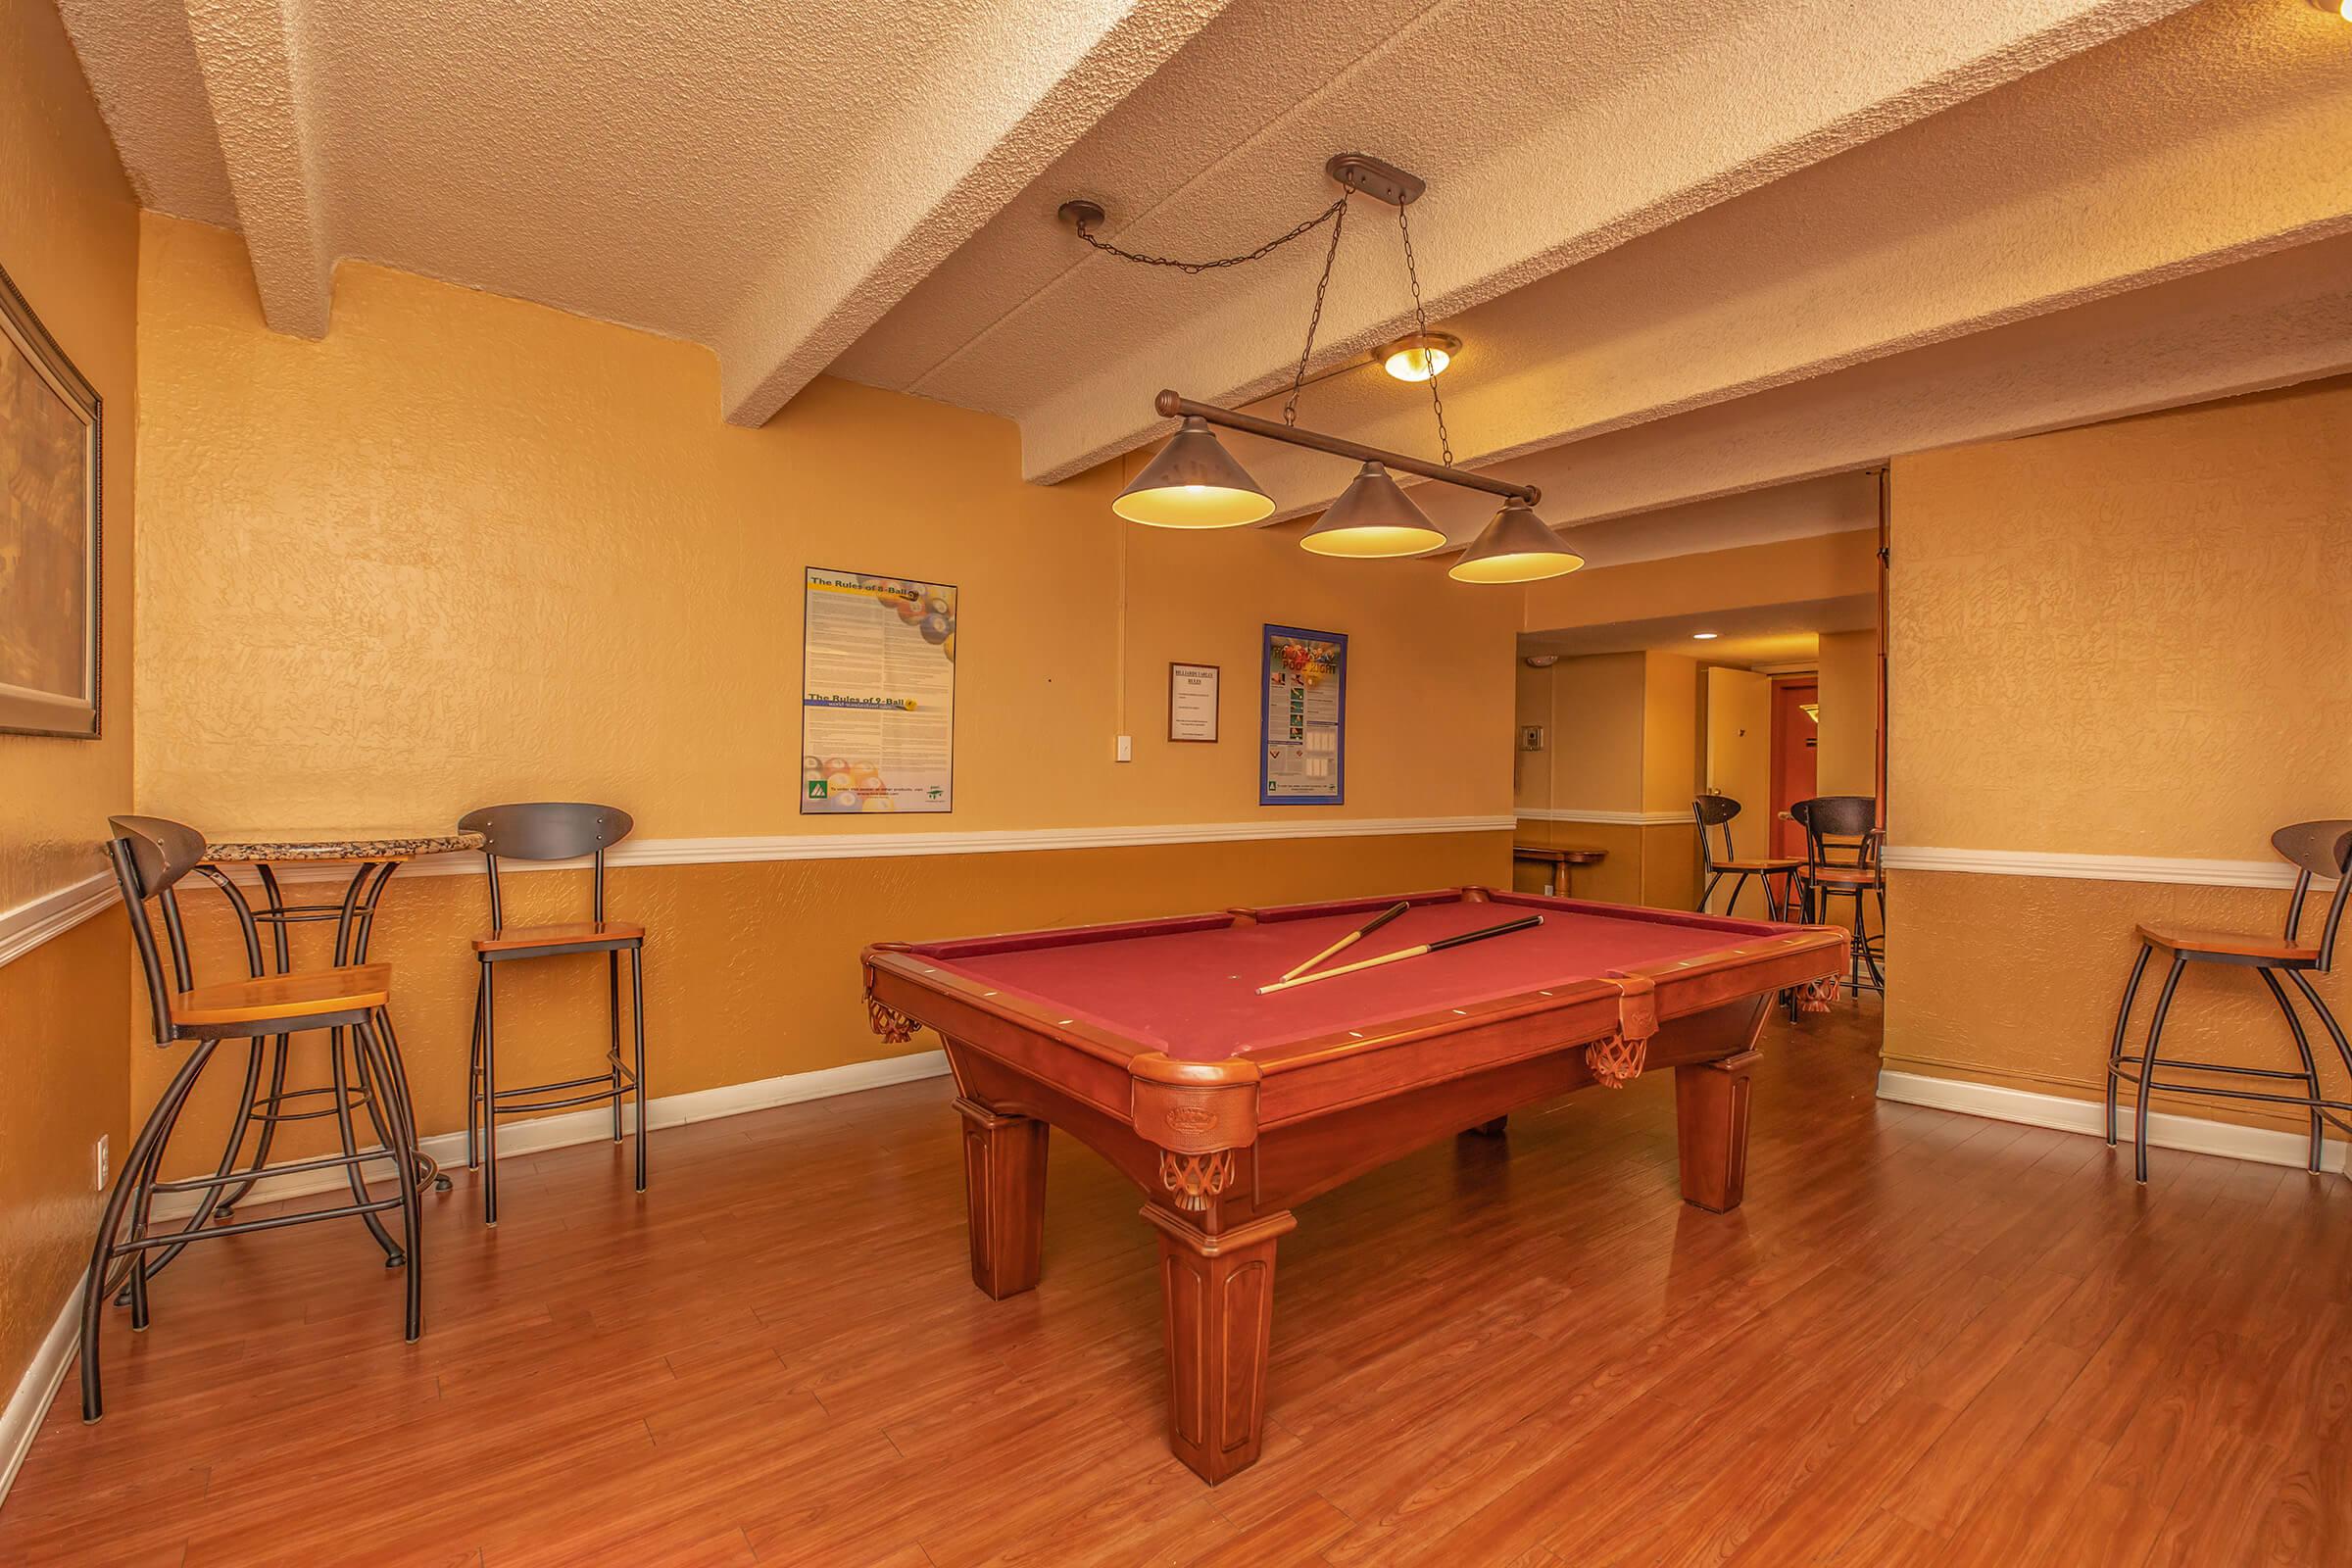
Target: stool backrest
<point>1839,816</point>
<point>1713,812</point>
<point>546,830</point>
<point>150,854</point>
<point>2317,849</point>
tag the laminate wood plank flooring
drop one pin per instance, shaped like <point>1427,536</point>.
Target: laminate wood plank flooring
<point>1925,1338</point>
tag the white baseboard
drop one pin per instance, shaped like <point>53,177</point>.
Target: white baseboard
<point>2267,1145</point>
<point>523,1136</point>
<point>1680,819</point>
<point>22,1421</point>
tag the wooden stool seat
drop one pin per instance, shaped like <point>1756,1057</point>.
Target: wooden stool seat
<point>1772,866</point>
<point>592,935</point>
<point>150,855</point>
<point>2317,849</point>
<point>548,831</point>
<point>2239,944</point>
<point>287,998</point>
<point>1842,877</point>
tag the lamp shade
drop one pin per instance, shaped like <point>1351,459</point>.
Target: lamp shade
<point>1373,518</point>
<point>1193,483</point>
<point>1516,547</point>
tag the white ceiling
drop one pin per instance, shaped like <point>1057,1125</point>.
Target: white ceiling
<point>1693,250</point>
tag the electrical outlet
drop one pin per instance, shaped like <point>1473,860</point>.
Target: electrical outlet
<point>1126,749</point>
<point>99,1164</point>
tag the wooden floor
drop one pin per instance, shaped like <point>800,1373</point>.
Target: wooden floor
<point>1925,1339</point>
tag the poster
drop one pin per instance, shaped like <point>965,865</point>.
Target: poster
<point>1303,732</point>
<point>877,694</point>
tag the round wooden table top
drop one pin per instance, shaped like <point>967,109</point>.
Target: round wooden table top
<point>358,846</point>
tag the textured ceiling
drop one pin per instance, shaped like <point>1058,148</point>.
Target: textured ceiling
<point>1693,251</point>
<point>1750,634</point>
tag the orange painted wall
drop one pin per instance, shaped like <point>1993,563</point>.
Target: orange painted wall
<point>1621,737</point>
<point>69,236</point>
<point>1848,762</point>
<point>2120,640</point>
<point>477,550</point>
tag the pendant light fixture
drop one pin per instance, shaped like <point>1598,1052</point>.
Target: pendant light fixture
<point>1372,518</point>
<point>1193,483</point>
<point>1516,547</point>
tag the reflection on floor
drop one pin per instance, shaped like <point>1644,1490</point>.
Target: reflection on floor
<point>1925,1338</point>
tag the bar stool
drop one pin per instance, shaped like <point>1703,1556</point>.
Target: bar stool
<point>149,854</point>
<point>2314,849</point>
<point>1841,860</point>
<point>551,830</point>
<point>1775,872</point>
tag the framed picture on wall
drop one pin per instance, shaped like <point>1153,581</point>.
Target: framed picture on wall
<point>49,592</point>
<point>1302,726</point>
<point>1192,701</point>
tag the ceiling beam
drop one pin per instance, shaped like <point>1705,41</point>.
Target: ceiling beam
<point>932,185</point>
<point>2040,208</point>
<point>1572,184</point>
<point>253,70</point>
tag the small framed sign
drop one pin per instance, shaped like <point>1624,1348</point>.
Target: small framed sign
<point>1192,702</point>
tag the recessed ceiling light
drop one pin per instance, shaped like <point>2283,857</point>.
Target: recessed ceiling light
<point>1702,636</point>
<point>2344,9</point>
<point>1420,356</point>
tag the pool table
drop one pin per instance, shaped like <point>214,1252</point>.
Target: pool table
<point>1149,1042</point>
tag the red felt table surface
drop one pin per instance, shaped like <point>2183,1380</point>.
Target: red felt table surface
<point>1193,993</point>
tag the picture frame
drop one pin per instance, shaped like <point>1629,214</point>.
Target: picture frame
<point>1193,701</point>
<point>51,587</point>
<point>1302,717</point>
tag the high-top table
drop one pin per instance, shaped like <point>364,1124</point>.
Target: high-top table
<point>372,858</point>
<point>1558,857</point>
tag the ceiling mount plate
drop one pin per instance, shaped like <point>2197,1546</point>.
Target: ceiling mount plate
<point>1385,181</point>
<point>1080,214</point>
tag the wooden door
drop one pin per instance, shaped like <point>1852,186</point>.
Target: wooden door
<point>1796,741</point>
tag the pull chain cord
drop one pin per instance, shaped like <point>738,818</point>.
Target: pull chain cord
<point>1413,275</point>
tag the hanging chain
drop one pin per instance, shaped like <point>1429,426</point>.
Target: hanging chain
<point>1412,274</point>
<point>1328,214</point>
<point>1290,407</point>
<point>1336,215</point>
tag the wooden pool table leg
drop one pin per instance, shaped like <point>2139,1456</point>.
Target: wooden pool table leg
<point>1218,1293</point>
<point>1005,1197</point>
<point>1711,1131</point>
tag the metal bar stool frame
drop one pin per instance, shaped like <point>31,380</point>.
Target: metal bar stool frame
<point>1825,876</point>
<point>2315,849</point>
<point>551,830</point>
<point>1716,812</point>
<point>353,915</point>
<point>149,856</point>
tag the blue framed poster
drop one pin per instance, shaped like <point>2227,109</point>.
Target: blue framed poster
<point>1303,725</point>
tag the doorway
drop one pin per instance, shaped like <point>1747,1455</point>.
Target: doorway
<point>1796,758</point>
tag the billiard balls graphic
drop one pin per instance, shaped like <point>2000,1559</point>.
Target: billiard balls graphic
<point>936,629</point>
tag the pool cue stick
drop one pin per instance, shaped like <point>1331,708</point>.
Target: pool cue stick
<point>1401,954</point>
<point>1354,936</point>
